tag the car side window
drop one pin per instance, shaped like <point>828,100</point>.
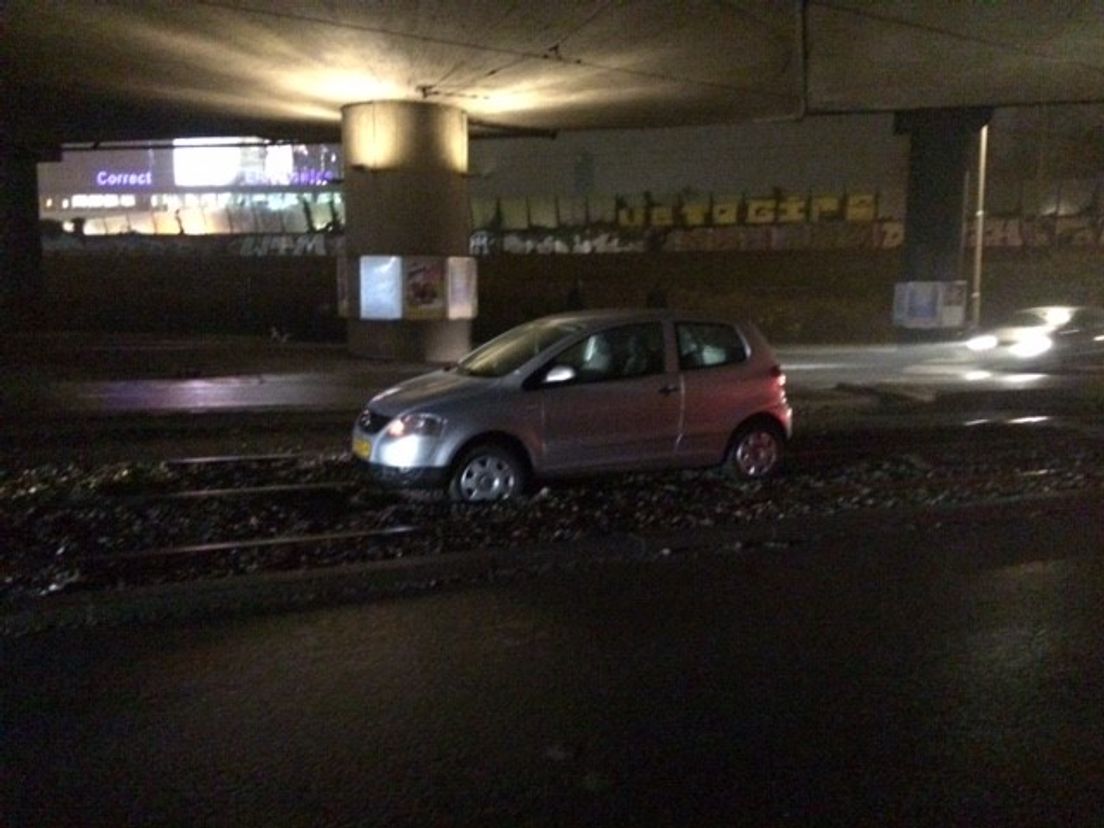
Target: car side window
<point>616,353</point>
<point>705,345</point>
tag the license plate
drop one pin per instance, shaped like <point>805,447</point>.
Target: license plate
<point>362,448</point>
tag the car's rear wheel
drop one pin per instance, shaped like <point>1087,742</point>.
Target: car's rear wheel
<point>755,450</point>
<point>487,472</point>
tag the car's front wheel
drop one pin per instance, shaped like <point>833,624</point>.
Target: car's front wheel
<point>755,450</point>
<point>487,472</point>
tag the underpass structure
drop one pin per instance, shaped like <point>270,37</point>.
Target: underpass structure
<point>299,69</point>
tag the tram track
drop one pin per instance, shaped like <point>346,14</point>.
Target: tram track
<point>276,489</point>
<point>277,512</point>
<point>319,551</point>
<point>227,459</point>
<point>808,452</point>
<point>813,498</point>
<point>252,543</point>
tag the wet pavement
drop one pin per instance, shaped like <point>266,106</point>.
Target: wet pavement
<point>99,375</point>
<point>47,376</point>
<point>922,675</point>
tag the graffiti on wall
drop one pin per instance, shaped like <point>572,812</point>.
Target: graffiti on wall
<point>885,235</point>
<point>486,243</point>
<point>790,209</point>
<point>1000,233</point>
<point>1067,231</point>
<point>643,211</point>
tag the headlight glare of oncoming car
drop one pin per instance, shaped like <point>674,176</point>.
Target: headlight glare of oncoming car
<point>415,425</point>
<point>985,342</point>
<point>1032,346</point>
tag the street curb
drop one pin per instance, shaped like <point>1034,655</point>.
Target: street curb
<point>305,589</point>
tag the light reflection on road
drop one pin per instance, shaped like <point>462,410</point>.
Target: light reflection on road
<point>308,390</point>
<point>937,367</point>
<point>942,365</point>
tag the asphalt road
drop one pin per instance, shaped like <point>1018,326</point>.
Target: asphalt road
<point>940,673</point>
<point>171,377</point>
<point>945,366</point>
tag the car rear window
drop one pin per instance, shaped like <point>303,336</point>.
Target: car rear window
<point>706,345</point>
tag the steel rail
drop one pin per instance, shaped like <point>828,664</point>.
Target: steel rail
<point>216,459</point>
<point>241,491</point>
<point>247,543</point>
<point>875,443</point>
<point>948,455</point>
<point>946,482</point>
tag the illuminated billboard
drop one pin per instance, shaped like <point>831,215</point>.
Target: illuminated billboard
<point>249,162</point>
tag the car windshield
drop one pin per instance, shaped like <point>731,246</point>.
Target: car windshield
<point>514,348</point>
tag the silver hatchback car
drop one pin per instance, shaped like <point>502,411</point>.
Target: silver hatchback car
<point>578,393</point>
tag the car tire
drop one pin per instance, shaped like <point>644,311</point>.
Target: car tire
<point>487,472</point>
<point>755,451</point>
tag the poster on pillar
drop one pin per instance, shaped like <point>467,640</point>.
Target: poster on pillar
<point>424,286</point>
<point>929,305</point>
<point>379,287</point>
<point>463,296</point>
<point>409,287</point>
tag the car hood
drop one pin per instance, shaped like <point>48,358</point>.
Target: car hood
<point>429,391</point>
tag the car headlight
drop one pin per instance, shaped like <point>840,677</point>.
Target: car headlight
<point>1031,346</point>
<point>421,425</point>
<point>985,342</point>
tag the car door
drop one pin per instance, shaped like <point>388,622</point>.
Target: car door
<point>719,388</point>
<point>621,408</point>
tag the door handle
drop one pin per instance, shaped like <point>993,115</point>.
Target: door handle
<point>668,389</point>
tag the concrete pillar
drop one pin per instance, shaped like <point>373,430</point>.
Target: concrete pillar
<point>406,200</point>
<point>21,282</point>
<point>940,153</point>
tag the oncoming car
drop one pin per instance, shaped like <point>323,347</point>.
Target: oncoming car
<point>580,393</point>
<point>1046,335</point>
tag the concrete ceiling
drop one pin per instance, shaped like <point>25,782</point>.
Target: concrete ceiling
<point>78,70</point>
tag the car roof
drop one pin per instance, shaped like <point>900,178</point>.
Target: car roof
<point>600,317</point>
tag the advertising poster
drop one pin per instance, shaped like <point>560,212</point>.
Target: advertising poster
<point>424,287</point>
<point>929,305</point>
<point>380,287</point>
<point>462,299</point>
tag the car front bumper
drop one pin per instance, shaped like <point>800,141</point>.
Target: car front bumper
<point>398,463</point>
<point>417,477</point>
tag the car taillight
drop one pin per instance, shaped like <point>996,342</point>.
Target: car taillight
<point>776,372</point>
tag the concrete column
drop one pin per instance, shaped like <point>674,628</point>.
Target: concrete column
<point>21,282</point>
<point>406,195</point>
<point>940,152</point>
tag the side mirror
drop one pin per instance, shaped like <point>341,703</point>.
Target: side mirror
<point>558,374</point>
